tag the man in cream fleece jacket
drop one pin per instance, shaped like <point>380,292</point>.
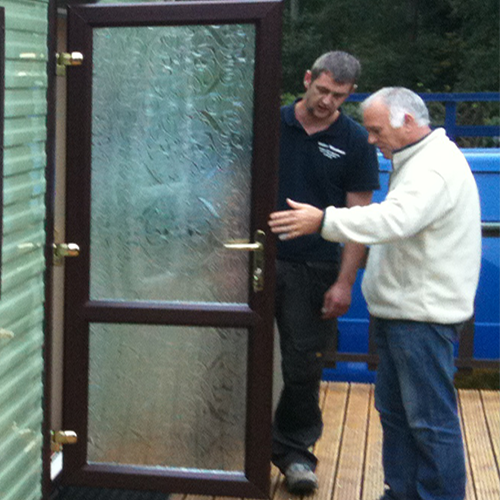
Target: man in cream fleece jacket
<point>420,282</point>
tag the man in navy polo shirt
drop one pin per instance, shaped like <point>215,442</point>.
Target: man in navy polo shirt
<point>325,159</point>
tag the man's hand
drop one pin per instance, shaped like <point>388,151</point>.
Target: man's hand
<point>302,219</point>
<point>337,300</point>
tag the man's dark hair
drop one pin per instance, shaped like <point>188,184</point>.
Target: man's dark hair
<point>343,67</point>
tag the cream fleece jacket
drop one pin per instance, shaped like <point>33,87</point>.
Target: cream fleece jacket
<point>425,237</point>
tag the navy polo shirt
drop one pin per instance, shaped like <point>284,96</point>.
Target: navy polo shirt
<point>320,169</point>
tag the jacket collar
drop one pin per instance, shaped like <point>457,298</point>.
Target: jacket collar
<point>402,155</point>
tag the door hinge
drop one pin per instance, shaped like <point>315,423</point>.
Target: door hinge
<point>60,438</point>
<point>64,59</point>
<point>62,250</point>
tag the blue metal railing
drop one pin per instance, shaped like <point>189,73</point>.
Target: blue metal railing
<point>451,100</point>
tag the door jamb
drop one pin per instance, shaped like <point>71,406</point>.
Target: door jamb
<point>49,241</point>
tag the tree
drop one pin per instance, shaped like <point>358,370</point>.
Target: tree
<point>427,45</point>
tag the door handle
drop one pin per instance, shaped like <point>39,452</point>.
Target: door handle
<point>257,247</point>
<point>243,246</point>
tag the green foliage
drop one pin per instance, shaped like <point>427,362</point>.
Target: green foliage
<point>288,98</point>
<point>427,45</point>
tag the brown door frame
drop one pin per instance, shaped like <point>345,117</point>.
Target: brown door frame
<point>255,481</point>
<point>47,486</point>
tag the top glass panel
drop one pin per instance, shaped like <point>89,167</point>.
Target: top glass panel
<point>171,162</point>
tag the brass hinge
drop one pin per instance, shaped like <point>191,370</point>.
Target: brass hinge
<point>60,438</point>
<point>62,250</point>
<point>64,59</point>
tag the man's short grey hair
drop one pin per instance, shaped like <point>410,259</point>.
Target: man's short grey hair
<point>400,102</point>
<point>343,67</point>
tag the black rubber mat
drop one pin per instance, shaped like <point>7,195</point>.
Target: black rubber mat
<point>80,493</point>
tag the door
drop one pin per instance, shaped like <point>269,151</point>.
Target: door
<point>173,121</point>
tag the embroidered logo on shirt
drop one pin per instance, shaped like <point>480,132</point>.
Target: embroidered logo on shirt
<point>330,152</point>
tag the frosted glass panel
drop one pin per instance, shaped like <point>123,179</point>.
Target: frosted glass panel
<point>167,396</point>
<point>171,162</point>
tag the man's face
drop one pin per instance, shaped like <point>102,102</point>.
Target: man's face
<point>380,131</point>
<point>324,95</point>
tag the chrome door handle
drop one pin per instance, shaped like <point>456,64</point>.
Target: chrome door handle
<point>257,247</point>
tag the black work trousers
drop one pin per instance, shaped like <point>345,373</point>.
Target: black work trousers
<point>304,337</point>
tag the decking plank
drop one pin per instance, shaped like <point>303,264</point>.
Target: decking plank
<point>180,496</point>
<point>484,472</point>
<point>491,403</point>
<point>350,468</point>
<point>327,448</point>
<point>280,491</point>
<point>470,492</point>
<point>373,477</point>
<point>276,480</point>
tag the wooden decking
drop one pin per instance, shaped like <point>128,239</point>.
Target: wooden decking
<point>350,449</point>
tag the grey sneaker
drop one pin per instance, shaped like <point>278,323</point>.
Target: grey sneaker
<point>300,479</point>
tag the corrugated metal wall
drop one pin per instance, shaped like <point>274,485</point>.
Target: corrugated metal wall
<point>23,266</point>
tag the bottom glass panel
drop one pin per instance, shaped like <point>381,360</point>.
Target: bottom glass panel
<point>167,396</point>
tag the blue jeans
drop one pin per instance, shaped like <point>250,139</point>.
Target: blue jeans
<point>422,454</point>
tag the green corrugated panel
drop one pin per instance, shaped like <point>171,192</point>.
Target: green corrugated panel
<point>23,187</point>
<point>23,265</point>
<point>30,268</point>
<point>25,74</point>
<point>13,352</point>
<point>24,130</point>
<point>23,242</point>
<point>26,375</point>
<point>25,102</point>
<point>20,216</point>
<point>24,158</point>
<point>25,15</point>
<point>29,470</point>
<point>25,46</point>
<point>30,488</point>
<point>16,304</point>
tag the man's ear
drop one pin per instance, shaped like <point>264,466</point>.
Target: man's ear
<point>307,79</point>
<point>409,120</point>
